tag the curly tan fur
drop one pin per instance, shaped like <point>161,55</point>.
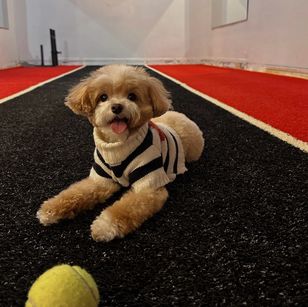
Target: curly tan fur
<point>128,213</point>
<point>78,197</point>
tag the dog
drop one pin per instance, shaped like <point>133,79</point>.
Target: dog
<point>140,144</point>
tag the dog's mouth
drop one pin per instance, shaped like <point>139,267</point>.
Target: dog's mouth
<point>119,125</point>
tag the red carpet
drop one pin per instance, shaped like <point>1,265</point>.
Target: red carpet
<point>281,102</point>
<point>14,80</point>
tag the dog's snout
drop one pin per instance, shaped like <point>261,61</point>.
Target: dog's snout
<point>116,108</point>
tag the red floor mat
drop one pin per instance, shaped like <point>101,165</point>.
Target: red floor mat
<point>281,102</point>
<point>14,80</point>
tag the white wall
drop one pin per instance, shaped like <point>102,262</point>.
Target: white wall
<point>198,30</point>
<point>96,31</point>
<point>276,34</point>
<point>138,31</point>
<point>8,47</point>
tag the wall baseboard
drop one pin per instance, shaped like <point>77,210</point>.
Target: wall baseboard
<point>300,72</point>
<point>237,63</point>
<point>131,61</point>
<point>9,65</point>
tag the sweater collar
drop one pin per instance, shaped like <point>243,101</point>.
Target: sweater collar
<point>115,153</point>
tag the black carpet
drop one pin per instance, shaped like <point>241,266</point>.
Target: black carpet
<point>233,232</point>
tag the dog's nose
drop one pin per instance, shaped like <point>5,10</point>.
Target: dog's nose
<point>116,108</point>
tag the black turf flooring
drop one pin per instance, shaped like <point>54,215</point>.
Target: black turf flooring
<point>233,232</point>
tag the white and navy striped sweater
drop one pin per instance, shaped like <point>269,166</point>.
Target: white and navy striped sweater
<point>151,158</point>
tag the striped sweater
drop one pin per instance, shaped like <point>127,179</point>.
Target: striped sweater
<point>151,158</point>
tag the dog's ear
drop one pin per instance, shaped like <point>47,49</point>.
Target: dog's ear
<point>159,97</point>
<point>79,99</point>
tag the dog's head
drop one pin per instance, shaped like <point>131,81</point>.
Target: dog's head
<point>118,99</point>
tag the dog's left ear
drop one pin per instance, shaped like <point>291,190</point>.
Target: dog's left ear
<point>159,96</point>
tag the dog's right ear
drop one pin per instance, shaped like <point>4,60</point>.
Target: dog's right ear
<point>79,99</point>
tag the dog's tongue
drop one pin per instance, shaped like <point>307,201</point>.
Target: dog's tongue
<point>118,126</point>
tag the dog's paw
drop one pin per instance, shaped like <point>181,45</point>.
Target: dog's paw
<point>46,215</point>
<point>104,228</point>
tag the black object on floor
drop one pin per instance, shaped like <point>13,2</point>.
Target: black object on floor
<point>233,231</point>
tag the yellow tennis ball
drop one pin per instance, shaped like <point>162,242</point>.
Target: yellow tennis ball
<point>64,285</point>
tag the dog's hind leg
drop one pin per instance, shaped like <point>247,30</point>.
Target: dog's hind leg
<point>128,213</point>
<point>80,196</point>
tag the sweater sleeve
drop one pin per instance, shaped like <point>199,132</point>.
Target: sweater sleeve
<point>99,172</point>
<point>149,176</point>
<point>147,171</point>
<point>154,180</point>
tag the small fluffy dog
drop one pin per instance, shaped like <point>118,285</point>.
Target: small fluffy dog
<point>139,144</point>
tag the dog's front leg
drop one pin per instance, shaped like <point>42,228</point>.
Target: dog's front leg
<point>80,196</point>
<point>128,213</point>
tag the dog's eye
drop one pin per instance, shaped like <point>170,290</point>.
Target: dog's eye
<point>103,97</point>
<point>132,97</point>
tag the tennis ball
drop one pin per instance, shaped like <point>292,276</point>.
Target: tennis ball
<point>64,285</point>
